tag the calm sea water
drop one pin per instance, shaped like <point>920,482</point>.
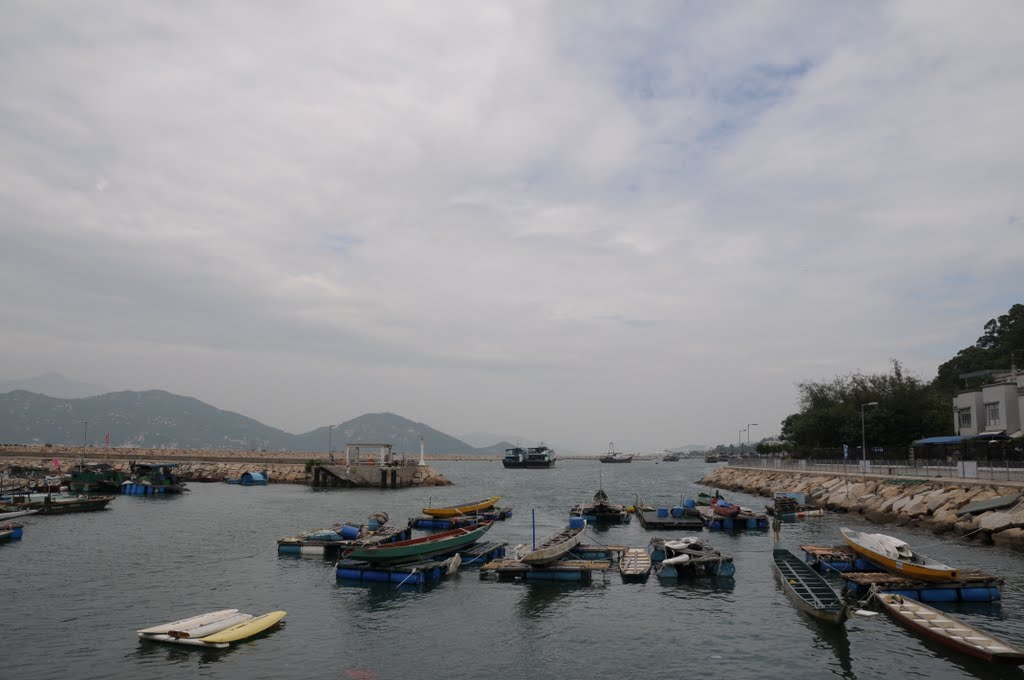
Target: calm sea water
<point>77,588</point>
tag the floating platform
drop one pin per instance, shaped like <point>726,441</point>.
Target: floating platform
<point>970,587</point>
<point>417,573</point>
<point>572,571</point>
<point>482,553</point>
<point>836,558</point>
<point>449,523</point>
<point>596,552</point>
<point>745,520</point>
<point>663,519</point>
<point>310,545</point>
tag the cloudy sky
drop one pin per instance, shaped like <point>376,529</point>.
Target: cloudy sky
<point>580,222</point>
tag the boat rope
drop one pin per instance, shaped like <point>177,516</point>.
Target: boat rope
<point>414,570</point>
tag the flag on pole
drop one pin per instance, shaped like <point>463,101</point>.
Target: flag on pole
<point>56,464</point>
<point>846,451</point>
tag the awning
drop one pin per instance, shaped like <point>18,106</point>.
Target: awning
<point>950,439</point>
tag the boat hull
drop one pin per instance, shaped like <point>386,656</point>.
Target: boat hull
<point>465,509</point>
<point>807,589</point>
<point>949,631</point>
<point>420,548</point>
<point>936,573</point>
<point>531,465</point>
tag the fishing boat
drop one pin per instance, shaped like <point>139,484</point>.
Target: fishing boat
<point>99,478</point>
<point>463,508</point>
<point>533,457</point>
<point>153,478</point>
<point>690,556</point>
<point>9,531</point>
<point>635,564</point>
<point>896,556</point>
<point>420,548</point>
<point>948,630</point>
<point>601,511</point>
<point>52,504</point>
<point>671,457</point>
<point>614,457</point>
<point>557,544</point>
<point>807,588</point>
<point>723,508</point>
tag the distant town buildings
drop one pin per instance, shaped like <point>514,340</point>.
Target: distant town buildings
<point>996,408</point>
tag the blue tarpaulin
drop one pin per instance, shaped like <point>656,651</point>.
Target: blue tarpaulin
<point>950,439</point>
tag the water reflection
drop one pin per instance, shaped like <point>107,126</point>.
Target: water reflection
<point>538,598</point>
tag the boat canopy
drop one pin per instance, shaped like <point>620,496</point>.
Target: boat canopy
<point>253,477</point>
<point>950,439</point>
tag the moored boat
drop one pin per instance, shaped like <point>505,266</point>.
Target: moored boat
<point>601,511</point>
<point>896,556</point>
<point>420,548</point>
<point>948,630</point>
<point>149,479</point>
<point>724,508</point>
<point>557,544</point>
<point>461,509</point>
<point>615,457</point>
<point>534,457</point>
<point>807,588</point>
<point>10,531</point>
<point>635,564</point>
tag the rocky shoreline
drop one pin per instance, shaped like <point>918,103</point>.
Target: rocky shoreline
<point>930,504</point>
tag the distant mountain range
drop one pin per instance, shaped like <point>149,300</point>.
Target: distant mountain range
<point>158,419</point>
<point>54,385</point>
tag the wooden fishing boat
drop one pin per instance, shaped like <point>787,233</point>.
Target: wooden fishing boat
<point>416,549</point>
<point>896,556</point>
<point>807,588</point>
<point>463,508</point>
<point>556,545</point>
<point>635,564</point>
<point>601,511</point>
<point>948,630</point>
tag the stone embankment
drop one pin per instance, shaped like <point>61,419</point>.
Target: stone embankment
<point>926,503</point>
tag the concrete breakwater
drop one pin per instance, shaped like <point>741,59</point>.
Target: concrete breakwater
<point>931,504</point>
<point>193,465</point>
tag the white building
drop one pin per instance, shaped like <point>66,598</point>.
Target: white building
<point>997,407</point>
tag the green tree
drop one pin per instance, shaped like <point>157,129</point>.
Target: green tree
<point>830,412</point>
<point>1000,346</point>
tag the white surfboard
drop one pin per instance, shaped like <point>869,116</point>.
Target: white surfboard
<point>192,622</point>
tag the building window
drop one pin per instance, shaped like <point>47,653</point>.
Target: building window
<point>965,418</point>
<point>992,414</point>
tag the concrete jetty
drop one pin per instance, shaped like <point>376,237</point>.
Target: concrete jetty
<point>941,505</point>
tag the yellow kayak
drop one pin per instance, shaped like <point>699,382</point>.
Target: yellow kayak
<point>464,509</point>
<point>246,629</point>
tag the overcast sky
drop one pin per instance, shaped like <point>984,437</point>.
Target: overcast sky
<point>577,222</point>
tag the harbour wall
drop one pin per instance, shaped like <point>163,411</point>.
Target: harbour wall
<point>930,504</point>
<point>206,466</point>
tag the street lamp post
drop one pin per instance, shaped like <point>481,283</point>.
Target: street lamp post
<point>739,440</point>
<point>85,433</point>
<point>863,438</point>
<point>749,425</point>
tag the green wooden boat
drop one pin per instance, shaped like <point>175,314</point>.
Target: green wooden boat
<point>416,549</point>
<point>807,588</point>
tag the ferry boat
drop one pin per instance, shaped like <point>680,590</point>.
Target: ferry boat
<point>532,457</point>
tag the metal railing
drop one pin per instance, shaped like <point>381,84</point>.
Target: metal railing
<point>995,470</point>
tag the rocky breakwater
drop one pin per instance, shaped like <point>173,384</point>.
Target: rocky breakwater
<point>932,504</point>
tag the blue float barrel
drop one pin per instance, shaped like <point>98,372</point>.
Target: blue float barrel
<point>349,532</point>
<point>689,503</point>
<point>677,511</point>
<point>662,512</point>
<point>577,522</point>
